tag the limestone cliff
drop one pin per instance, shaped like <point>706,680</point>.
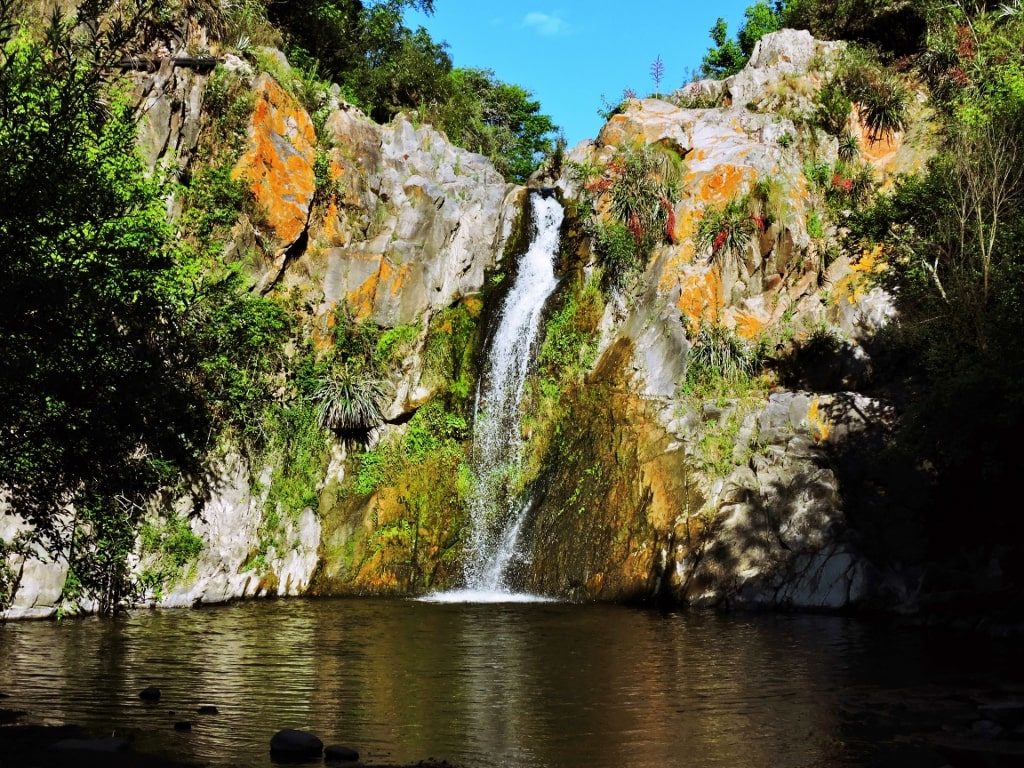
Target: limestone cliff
<point>640,489</point>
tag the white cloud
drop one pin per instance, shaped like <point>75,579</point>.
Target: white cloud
<point>544,23</point>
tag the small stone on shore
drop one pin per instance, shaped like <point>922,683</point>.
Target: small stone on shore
<point>339,753</point>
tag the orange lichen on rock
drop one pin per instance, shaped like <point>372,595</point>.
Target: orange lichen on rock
<point>278,162</point>
<point>700,296</point>
<point>748,325</point>
<point>361,299</point>
<point>724,182</point>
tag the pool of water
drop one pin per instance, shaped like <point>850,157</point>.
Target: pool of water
<point>514,684</point>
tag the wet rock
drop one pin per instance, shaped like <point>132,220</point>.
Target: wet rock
<point>339,753</point>
<point>150,694</point>
<point>291,745</point>
<point>207,709</point>
<point>183,725</point>
<point>108,744</point>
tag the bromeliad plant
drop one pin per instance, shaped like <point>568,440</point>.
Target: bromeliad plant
<point>727,229</point>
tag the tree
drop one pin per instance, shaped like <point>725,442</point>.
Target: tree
<point>496,119</point>
<point>728,56</point>
<point>367,48</point>
<point>119,352</point>
<point>725,57</point>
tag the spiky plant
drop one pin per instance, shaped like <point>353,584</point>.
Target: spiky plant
<point>883,107</point>
<point>350,401</point>
<point>645,181</point>
<point>849,147</point>
<point>727,229</point>
<point>719,355</point>
<point>863,183</point>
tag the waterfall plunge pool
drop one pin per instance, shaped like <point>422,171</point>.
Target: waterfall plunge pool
<point>512,684</point>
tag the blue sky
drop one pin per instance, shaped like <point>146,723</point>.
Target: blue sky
<point>571,52</point>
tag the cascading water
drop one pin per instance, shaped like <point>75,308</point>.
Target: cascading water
<point>496,516</point>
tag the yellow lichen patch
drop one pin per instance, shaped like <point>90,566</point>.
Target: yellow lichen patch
<point>396,279</point>
<point>820,426</point>
<point>700,297</point>
<point>278,162</point>
<point>852,286</point>
<point>748,326</point>
<point>474,305</point>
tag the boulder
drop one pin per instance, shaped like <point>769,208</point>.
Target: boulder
<point>292,745</point>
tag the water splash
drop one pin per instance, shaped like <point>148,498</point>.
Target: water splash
<point>496,516</point>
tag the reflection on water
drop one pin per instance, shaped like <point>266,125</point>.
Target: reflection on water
<point>484,685</point>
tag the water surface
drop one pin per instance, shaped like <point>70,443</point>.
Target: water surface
<point>530,684</point>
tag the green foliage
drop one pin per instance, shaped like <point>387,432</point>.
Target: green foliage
<point>495,119</point>
<point>619,255</point>
<point>174,548</point>
<point>570,335</point>
<point>849,147</point>
<point>125,355</point>
<point>815,226</point>
<point>727,56</point>
<point>297,451</point>
<point>437,431</point>
<point>726,229</point>
<point>350,401</point>
<point>18,547</point>
<point>720,362</point>
<point>880,95</point>
<point>833,109</point>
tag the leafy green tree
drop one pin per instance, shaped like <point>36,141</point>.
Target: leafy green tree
<point>366,48</point>
<point>121,357</point>
<point>729,56</point>
<point>499,120</point>
<point>725,57</point>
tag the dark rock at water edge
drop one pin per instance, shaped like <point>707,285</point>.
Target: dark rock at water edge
<point>150,694</point>
<point>291,745</point>
<point>8,716</point>
<point>339,753</point>
<point>207,709</point>
<point>183,725</point>
<point>107,744</point>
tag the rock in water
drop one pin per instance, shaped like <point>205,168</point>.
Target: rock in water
<point>292,745</point>
<point>183,725</point>
<point>339,753</point>
<point>207,709</point>
<point>150,694</point>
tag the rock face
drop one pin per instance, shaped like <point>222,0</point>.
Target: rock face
<point>412,224</point>
<point>278,168</point>
<point>640,491</point>
<point>403,226</point>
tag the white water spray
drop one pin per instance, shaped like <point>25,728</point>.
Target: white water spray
<point>497,517</point>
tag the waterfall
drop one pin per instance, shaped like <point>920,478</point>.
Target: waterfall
<point>497,516</point>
